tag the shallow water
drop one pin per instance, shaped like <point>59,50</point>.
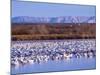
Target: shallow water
<point>65,65</point>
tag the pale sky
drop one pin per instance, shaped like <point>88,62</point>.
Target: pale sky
<point>39,9</point>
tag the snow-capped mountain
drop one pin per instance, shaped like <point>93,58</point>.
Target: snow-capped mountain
<point>67,19</point>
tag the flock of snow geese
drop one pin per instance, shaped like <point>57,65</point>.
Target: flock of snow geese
<point>24,52</point>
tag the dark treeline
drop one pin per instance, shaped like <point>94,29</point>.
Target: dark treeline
<point>53,24</point>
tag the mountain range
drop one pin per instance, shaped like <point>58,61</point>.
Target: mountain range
<point>65,19</point>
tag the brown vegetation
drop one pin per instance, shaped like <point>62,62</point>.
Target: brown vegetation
<point>53,31</point>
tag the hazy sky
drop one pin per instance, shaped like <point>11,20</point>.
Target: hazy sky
<point>34,9</point>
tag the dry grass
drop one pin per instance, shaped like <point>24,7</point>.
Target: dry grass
<point>53,31</point>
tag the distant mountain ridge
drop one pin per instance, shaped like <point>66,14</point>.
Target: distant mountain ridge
<point>65,19</point>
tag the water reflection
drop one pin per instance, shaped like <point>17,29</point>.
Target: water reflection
<point>64,65</point>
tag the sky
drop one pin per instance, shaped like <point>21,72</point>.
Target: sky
<point>39,9</point>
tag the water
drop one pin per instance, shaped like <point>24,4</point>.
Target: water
<point>66,65</point>
<point>74,63</point>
